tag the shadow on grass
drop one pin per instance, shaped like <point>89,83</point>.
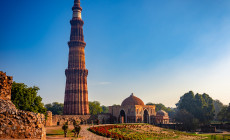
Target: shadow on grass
<point>53,134</point>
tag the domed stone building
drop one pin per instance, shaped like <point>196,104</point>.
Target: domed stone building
<point>133,110</point>
<point>162,117</point>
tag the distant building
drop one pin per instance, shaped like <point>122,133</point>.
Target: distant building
<point>133,110</point>
<point>162,117</point>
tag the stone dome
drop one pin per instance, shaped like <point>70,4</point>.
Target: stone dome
<point>132,100</point>
<point>162,113</point>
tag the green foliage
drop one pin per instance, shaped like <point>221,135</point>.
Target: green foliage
<point>218,106</point>
<point>188,120</point>
<point>65,128</point>
<point>215,136</point>
<point>77,127</point>
<point>199,106</point>
<point>95,108</point>
<point>26,98</point>
<point>149,103</point>
<point>56,108</point>
<point>76,130</point>
<point>105,109</point>
<point>224,114</point>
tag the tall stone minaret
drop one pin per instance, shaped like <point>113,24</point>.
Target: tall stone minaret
<point>76,92</point>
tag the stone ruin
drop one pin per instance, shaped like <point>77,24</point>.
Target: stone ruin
<point>5,86</point>
<point>49,118</point>
<point>14,123</point>
<point>62,119</point>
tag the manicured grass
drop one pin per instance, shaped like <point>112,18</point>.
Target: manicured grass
<point>216,136</point>
<point>58,132</point>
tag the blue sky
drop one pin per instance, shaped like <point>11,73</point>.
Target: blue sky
<point>156,49</point>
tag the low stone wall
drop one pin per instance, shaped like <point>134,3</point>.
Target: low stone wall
<point>61,119</point>
<point>19,124</point>
<point>106,118</point>
<point>222,126</point>
<point>208,129</point>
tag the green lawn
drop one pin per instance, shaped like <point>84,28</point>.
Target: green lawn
<point>216,137</point>
<point>58,132</point>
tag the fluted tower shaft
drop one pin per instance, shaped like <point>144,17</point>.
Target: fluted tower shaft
<point>76,91</point>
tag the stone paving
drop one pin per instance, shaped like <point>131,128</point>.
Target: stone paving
<point>87,135</point>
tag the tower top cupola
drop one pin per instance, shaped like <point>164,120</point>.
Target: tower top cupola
<point>77,9</point>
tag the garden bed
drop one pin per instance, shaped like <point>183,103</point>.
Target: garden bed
<point>140,131</point>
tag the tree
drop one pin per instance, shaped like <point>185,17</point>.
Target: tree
<point>159,106</point>
<point>77,128</point>
<point>95,108</point>
<point>187,119</point>
<point>56,108</point>
<point>105,109</point>
<point>218,107</point>
<point>26,98</point>
<point>200,106</point>
<point>65,128</point>
<point>224,114</point>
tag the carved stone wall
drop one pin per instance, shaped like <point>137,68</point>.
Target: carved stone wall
<point>14,123</point>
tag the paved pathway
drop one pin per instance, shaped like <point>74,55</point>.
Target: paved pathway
<point>87,135</point>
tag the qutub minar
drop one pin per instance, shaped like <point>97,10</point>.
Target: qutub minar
<point>76,92</point>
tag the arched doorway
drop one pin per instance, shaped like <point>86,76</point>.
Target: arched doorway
<point>122,116</point>
<point>146,116</point>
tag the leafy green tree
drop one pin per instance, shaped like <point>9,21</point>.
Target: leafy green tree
<point>105,109</point>
<point>218,107</point>
<point>56,108</point>
<point>159,106</point>
<point>200,106</point>
<point>224,114</point>
<point>95,108</point>
<point>65,128</point>
<point>26,98</point>
<point>77,128</point>
<point>189,121</point>
<point>150,103</point>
